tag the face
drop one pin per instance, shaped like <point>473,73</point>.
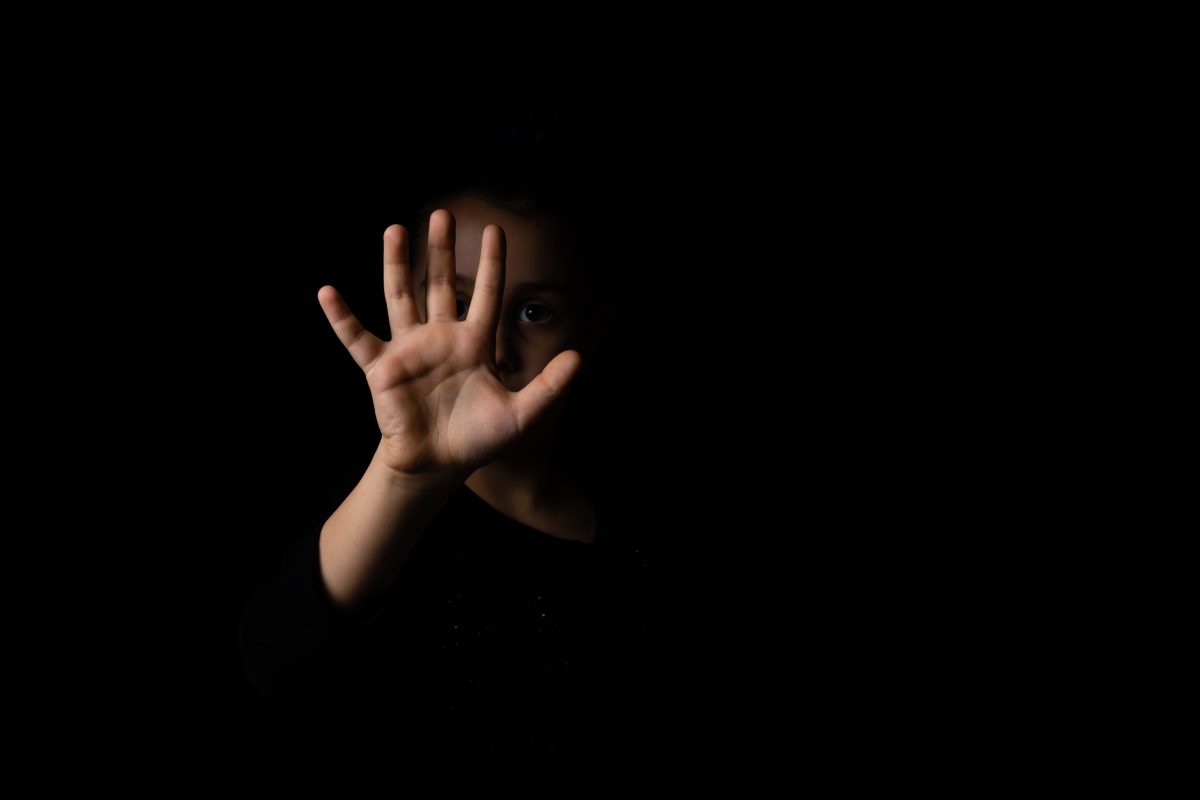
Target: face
<point>542,310</point>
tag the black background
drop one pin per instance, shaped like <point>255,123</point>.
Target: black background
<point>900,348</point>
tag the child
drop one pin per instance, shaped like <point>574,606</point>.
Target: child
<point>475,617</point>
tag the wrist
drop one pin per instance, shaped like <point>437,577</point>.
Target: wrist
<point>422,481</point>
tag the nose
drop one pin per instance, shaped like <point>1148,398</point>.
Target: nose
<point>507,358</point>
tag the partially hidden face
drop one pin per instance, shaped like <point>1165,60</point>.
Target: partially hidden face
<point>543,305</point>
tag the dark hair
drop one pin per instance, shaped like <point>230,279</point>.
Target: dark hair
<point>541,172</point>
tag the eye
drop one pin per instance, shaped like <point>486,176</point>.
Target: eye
<point>460,307</point>
<point>534,312</point>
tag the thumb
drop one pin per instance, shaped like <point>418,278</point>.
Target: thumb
<point>549,385</point>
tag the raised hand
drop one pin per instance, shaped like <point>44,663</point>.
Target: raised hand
<point>440,406</point>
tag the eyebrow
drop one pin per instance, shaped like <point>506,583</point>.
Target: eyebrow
<point>541,286</point>
<point>523,286</point>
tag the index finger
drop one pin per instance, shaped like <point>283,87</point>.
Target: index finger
<point>489,279</point>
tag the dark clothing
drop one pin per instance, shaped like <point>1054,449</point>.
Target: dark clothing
<point>504,662</point>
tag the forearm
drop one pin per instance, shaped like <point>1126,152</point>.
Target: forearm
<point>367,540</point>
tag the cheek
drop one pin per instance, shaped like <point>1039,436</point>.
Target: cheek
<point>541,345</point>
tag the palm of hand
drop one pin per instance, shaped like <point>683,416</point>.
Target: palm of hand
<point>438,402</point>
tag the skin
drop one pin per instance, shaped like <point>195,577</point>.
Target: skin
<point>468,389</point>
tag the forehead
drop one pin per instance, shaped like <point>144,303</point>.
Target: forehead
<point>533,250</point>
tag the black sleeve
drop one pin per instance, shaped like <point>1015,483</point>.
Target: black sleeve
<point>293,640</point>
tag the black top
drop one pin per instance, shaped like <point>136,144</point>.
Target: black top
<point>504,661</point>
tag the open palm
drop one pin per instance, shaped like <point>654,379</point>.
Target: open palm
<point>440,406</point>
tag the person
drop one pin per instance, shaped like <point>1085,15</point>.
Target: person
<point>480,616</point>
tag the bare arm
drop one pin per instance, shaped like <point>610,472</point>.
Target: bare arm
<point>366,541</point>
<point>441,409</point>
